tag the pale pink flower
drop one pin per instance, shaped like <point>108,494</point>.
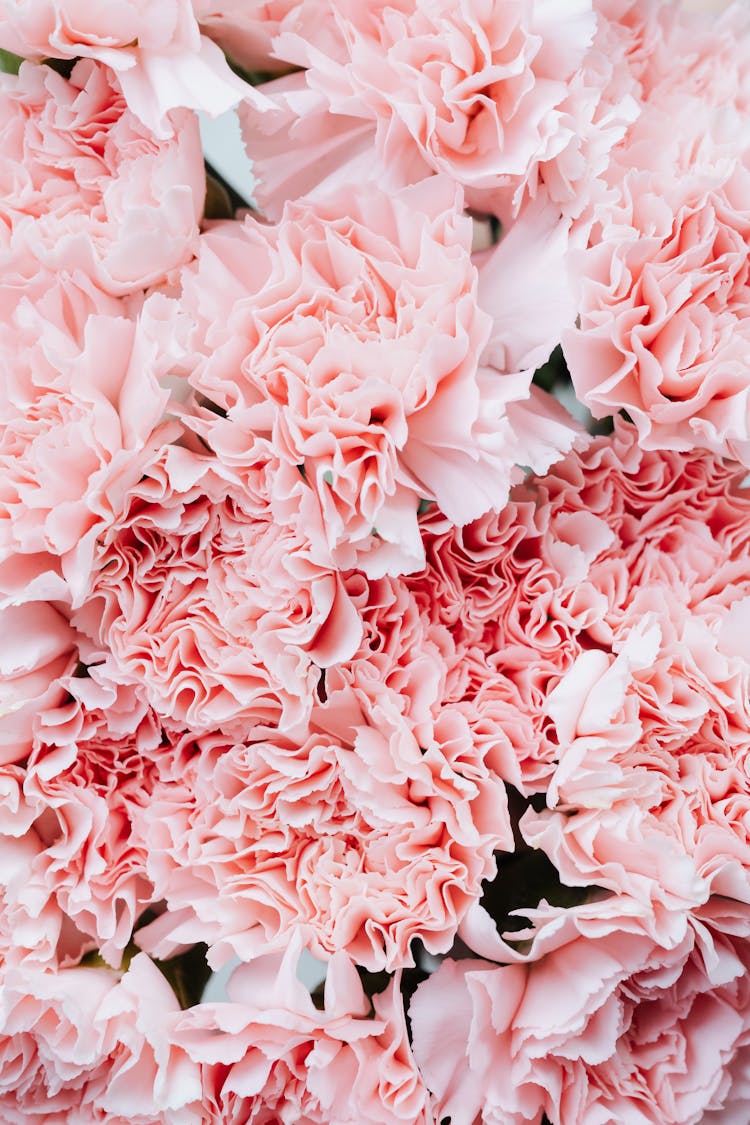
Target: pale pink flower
<point>508,100</point>
<point>85,782</point>
<point>601,1030</point>
<point>161,59</point>
<point>651,721</point>
<point>606,607</point>
<point>344,346</point>
<point>81,411</point>
<point>596,649</point>
<point>245,29</point>
<point>38,648</point>
<point>376,826</point>
<point>219,617</point>
<point>360,844</point>
<point>664,295</point>
<point>73,875</point>
<point>85,185</point>
<point>268,1054</point>
<point>33,928</point>
<point>86,1044</point>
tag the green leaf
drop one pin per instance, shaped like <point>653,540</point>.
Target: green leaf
<point>9,63</point>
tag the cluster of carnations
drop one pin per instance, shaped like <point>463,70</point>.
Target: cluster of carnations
<point>324,628</point>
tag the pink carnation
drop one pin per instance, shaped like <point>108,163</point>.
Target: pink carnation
<point>664,290</point>
<point>38,650</point>
<point>246,29</point>
<point>85,186</point>
<point>268,1054</point>
<point>508,100</point>
<point>161,59</point>
<point>218,616</point>
<point>376,828</point>
<point>91,772</point>
<point>33,928</point>
<point>345,353</point>
<point>366,881</point>
<point>605,1030</point>
<point>80,413</point>
<point>74,871</point>
<point>613,595</point>
<point>651,722</point>
<point>87,1045</point>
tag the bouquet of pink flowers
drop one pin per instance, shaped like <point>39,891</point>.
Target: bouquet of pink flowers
<point>375,564</point>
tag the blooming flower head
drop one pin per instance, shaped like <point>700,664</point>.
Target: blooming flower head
<point>90,1044</point>
<point>92,768</point>
<point>218,616</point>
<point>161,58</point>
<point>663,288</point>
<point>85,185</point>
<point>268,1054</point>
<point>371,831</point>
<point>617,614</point>
<point>508,100</point>
<point>344,345</point>
<point>647,1034</point>
<point>374,828</point>
<point>81,410</point>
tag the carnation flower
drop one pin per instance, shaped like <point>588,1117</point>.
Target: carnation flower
<point>161,59</point>
<point>39,649</point>
<point>32,925</point>
<point>246,29</point>
<point>90,1045</point>
<point>219,616</point>
<point>614,1029</point>
<point>84,184</point>
<point>85,789</point>
<point>345,354</point>
<point>509,101</point>
<point>374,829</point>
<point>73,875</point>
<point>615,605</point>
<point>81,411</point>
<point>664,292</point>
<point>268,1054</point>
<point>651,721</point>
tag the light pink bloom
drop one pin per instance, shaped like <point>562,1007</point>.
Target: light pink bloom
<point>224,622</point>
<point>605,1030</point>
<point>503,99</point>
<point>33,929</point>
<point>81,410</point>
<point>37,649</point>
<point>73,874</point>
<point>375,827</point>
<point>360,845</point>
<point>85,186</point>
<point>93,768</point>
<point>87,1045</point>
<point>664,296</point>
<point>245,29</point>
<point>608,604</point>
<point>161,59</point>
<point>346,354</point>
<point>268,1054</point>
<point>651,721</point>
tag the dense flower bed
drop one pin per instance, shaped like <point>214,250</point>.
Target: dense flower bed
<point>326,628</point>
